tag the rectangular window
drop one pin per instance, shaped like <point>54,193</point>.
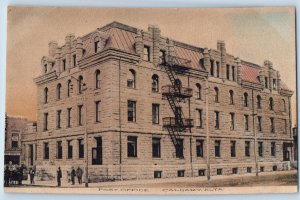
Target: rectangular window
<point>74,60</point>
<point>217,124</point>
<point>233,72</point>
<point>14,144</point>
<point>273,149</point>
<point>218,148</point>
<point>274,168</point>
<point>249,169</point>
<point>232,121</point>
<point>97,152</point>
<point>199,148</point>
<point>179,149</point>
<point>46,151</point>
<point>70,149</point>
<point>64,64</point>
<point>96,46</point>
<point>200,118</point>
<point>59,151</point>
<point>45,121</point>
<point>201,172</point>
<point>180,173</point>
<point>260,149</point>
<point>157,174</point>
<point>162,56</point>
<point>212,68</point>
<point>233,148</point>
<point>227,72</point>
<point>80,148</point>
<point>247,148</point>
<point>259,123</point>
<point>58,119</point>
<point>234,170</point>
<point>272,125</point>
<point>285,126</point>
<point>155,113</point>
<point>80,115</point>
<point>146,53</point>
<point>262,169</point>
<point>266,82</point>
<point>156,147</point>
<point>69,117</point>
<point>219,171</point>
<point>45,68</point>
<point>246,122</point>
<point>132,146</point>
<point>97,104</point>
<point>218,69</point>
<point>131,111</point>
<point>274,84</point>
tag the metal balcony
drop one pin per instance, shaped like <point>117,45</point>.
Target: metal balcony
<point>175,61</point>
<point>182,92</point>
<point>174,122</point>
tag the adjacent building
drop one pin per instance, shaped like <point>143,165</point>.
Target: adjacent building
<point>15,127</point>
<point>152,107</point>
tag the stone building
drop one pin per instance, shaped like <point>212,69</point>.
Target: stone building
<point>153,107</point>
<point>15,128</point>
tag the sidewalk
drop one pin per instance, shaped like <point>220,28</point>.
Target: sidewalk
<point>66,184</point>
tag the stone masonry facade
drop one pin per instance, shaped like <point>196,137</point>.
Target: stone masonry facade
<point>109,83</point>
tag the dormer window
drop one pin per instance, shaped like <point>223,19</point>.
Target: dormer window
<point>96,46</point>
<point>64,64</point>
<point>266,82</point>
<point>146,53</point>
<point>162,56</point>
<point>45,68</point>
<point>274,84</point>
<point>74,60</point>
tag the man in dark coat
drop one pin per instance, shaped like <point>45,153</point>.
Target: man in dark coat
<point>79,173</point>
<point>31,174</point>
<point>6,176</point>
<point>58,176</point>
<point>73,174</point>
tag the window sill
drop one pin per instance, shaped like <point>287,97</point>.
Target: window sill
<point>199,127</point>
<point>132,158</point>
<point>157,158</point>
<point>156,124</point>
<point>134,88</point>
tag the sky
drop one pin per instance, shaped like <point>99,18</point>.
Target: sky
<point>253,34</point>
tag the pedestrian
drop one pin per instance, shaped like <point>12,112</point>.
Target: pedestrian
<point>73,174</point>
<point>6,176</point>
<point>31,174</point>
<point>58,176</point>
<point>79,173</point>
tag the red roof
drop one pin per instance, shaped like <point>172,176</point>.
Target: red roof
<point>250,74</point>
<point>121,39</point>
<point>188,54</point>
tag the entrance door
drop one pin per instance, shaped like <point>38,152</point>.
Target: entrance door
<point>286,151</point>
<point>97,152</point>
<point>31,154</point>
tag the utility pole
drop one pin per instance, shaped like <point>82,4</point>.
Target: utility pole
<point>86,168</point>
<point>207,128</point>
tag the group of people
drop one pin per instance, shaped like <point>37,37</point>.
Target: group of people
<point>74,173</point>
<point>13,174</point>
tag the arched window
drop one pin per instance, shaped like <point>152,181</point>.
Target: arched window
<point>97,78</point>
<point>80,82</point>
<point>58,91</point>
<point>69,87</point>
<point>131,79</point>
<point>199,91</point>
<point>155,81</point>
<point>216,94</point>
<point>283,105</point>
<point>271,103</point>
<point>258,98</point>
<point>246,99</point>
<point>45,95</point>
<point>231,94</point>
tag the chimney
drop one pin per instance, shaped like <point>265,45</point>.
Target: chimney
<point>52,45</point>
<point>206,59</point>
<point>58,59</point>
<point>221,46</point>
<point>239,70</point>
<point>139,46</point>
<point>68,46</point>
<point>155,31</point>
<point>222,50</point>
<point>79,48</point>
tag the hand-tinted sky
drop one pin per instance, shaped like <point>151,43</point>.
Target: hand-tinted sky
<point>250,33</point>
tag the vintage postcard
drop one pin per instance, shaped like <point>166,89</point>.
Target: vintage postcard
<point>151,101</point>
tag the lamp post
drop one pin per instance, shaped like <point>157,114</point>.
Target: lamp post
<point>86,168</point>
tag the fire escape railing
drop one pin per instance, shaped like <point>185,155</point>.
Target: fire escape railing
<point>175,93</point>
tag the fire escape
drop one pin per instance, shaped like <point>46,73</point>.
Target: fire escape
<point>175,94</point>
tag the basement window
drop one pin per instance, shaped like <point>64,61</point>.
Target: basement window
<point>234,170</point>
<point>219,171</point>
<point>157,174</point>
<point>180,173</point>
<point>201,172</point>
<point>249,169</point>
